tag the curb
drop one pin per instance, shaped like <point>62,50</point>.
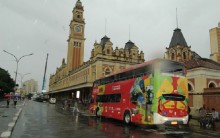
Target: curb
<point>11,125</point>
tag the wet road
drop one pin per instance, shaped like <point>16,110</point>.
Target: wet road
<point>41,120</point>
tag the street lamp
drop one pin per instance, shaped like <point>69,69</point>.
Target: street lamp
<point>22,76</point>
<point>22,88</point>
<point>17,61</point>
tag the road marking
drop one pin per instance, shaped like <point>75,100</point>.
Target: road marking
<point>11,124</point>
<point>6,134</point>
<point>15,118</point>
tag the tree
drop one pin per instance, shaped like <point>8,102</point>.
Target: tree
<point>7,84</point>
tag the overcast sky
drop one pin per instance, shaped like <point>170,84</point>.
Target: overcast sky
<point>42,26</point>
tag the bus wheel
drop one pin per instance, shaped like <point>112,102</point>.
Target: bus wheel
<point>127,117</point>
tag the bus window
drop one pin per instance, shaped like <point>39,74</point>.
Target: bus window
<point>117,97</point>
<point>96,83</point>
<point>173,68</point>
<point>174,97</point>
<point>108,98</point>
<point>98,98</point>
<point>126,75</point>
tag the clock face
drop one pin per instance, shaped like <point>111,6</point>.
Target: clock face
<point>77,28</point>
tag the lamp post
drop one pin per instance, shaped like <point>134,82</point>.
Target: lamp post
<point>22,88</point>
<point>17,61</point>
<point>22,76</point>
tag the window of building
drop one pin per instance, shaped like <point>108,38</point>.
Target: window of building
<point>172,56</point>
<point>190,88</point>
<point>212,85</point>
<point>107,71</point>
<point>77,44</point>
<point>134,54</point>
<point>184,55</point>
<point>108,51</point>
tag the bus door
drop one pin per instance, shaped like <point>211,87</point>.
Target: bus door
<point>149,98</point>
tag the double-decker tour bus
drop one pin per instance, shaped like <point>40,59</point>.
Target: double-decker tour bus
<point>154,92</point>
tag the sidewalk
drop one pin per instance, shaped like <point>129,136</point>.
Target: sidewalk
<point>195,124</point>
<point>8,117</point>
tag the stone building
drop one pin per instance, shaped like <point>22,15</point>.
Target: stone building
<point>202,73</point>
<point>30,86</point>
<point>75,75</point>
<point>215,43</point>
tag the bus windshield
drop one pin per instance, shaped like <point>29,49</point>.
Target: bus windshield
<point>172,68</point>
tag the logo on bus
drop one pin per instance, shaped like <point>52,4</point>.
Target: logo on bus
<point>118,87</point>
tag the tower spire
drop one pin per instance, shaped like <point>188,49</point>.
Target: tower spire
<point>176,19</point>
<point>129,32</point>
<point>105,25</point>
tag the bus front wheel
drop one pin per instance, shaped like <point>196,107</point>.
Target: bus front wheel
<point>127,117</point>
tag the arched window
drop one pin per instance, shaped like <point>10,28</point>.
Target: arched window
<point>172,56</point>
<point>212,85</point>
<point>108,51</point>
<point>184,55</point>
<point>190,86</point>
<point>107,71</point>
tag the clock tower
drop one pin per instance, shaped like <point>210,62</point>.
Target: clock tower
<point>75,55</point>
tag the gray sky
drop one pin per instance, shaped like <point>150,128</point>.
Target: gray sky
<point>42,26</point>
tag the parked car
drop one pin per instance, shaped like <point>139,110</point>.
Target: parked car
<point>41,99</point>
<point>52,100</point>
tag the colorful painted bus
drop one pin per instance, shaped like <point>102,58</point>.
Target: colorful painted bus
<point>154,92</point>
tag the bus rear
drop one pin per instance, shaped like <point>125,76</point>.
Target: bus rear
<point>171,93</point>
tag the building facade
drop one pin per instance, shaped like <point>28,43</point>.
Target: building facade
<point>215,43</point>
<point>75,75</point>
<point>30,86</point>
<point>202,73</point>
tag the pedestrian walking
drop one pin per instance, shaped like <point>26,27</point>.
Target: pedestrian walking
<point>8,101</point>
<point>15,100</point>
<point>75,108</point>
<point>8,98</point>
<point>65,104</point>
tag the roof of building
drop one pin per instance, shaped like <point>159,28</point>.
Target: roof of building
<point>178,39</point>
<point>129,45</point>
<point>202,62</point>
<point>79,4</point>
<point>104,40</point>
<point>195,55</point>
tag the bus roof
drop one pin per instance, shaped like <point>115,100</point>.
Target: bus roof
<point>137,66</point>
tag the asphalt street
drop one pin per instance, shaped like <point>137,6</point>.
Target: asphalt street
<point>43,120</point>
